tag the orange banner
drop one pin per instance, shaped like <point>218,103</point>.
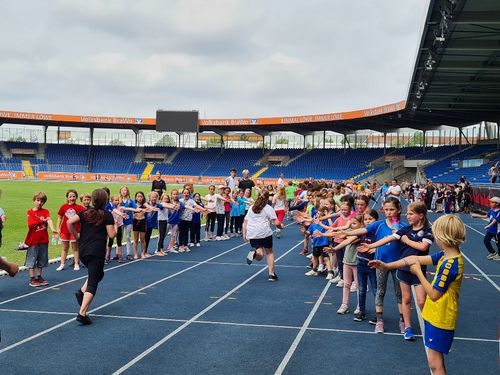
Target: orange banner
<point>48,118</point>
<point>98,177</point>
<point>177,179</point>
<point>11,175</point>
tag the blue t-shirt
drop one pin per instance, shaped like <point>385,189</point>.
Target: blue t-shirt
<point>109,207</point>
<point>318,241</point>
<point>242,205</point>
<point>235,209</point>
<point>174,216</point>
<point>152,217</point>
<point>384,189</point>
<point>421,235</point>
<point>493,215</point>
<point>128,204</point>
<point>197,215</point>
<point>389,252</point>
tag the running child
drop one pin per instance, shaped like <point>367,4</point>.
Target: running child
<point>37,255</point>
<point>67,211</point>
<point>440,311</point>
<point>257,230</point>
<point>492,228</point>
<point>415,239</point>
<point>279,204</point>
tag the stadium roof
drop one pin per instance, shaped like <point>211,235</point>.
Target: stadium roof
<point>455,82</point>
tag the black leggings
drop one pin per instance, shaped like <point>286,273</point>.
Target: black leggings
<point>220,224</point>
<point>233,227</point>
<point>487,242</point>
<point>184,227</point>
<point>149,231</point>
<point>119,235</point>
<point>95,268</point>
<point>227,218</point>
<point>162,233</point>
<point>211,217</point>
<point>194,234</point>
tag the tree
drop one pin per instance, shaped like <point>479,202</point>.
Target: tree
<point>281,141</point>
<point>17,139</point>
<point>166,141</point>
<point>116,142</point>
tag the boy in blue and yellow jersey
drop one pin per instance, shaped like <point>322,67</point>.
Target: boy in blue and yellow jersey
<point>440,310</point>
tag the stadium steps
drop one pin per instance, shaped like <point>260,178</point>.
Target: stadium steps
<point>28,171</point>
<point>40,153</point>
<point>147,171</point>
<point>173,155</point>
<point>295,158</point>
<point>139,156</point>
<point>259,172</point>
<point>4,150</point>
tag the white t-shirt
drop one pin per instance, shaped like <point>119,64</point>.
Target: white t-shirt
<point>211,202</point>
<point>259,225</point>
<point>394,189</point>
<point>279,204</point>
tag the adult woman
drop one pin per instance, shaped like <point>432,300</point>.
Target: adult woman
<point>158,185</point>
<point>257,230</point>
<point>96,225</point>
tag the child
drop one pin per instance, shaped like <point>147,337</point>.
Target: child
<point>139,226</point>
<point>211,214</point>
<point>227,212</point>
<point>415,239</point>
<point>128,205</point>
<point>390,252</point>
<point>279,204</point>
<point>37,256</point>
<point>68,210</point>
<point>440,310</point>
<point>85,199</point>
<point>174,218</point>
<point>349,263</point>
<point>118,217</point>
<point>234,214</point>
<point>319,244</point>
<point>242,203</point>
<point>162,222</point>
<point>152,219</point>
<point>257,230</point>
<point>97,225</point>
<point>492,229</point>
<point>2,220</point>
<point>195,232</point>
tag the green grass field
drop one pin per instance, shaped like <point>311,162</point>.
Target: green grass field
<point>17,198</point>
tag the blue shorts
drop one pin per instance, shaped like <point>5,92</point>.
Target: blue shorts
<point>37,256</point>
<point>407,277</point>
<point>438,339</point>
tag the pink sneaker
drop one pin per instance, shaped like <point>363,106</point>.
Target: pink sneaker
<point>379,327</point>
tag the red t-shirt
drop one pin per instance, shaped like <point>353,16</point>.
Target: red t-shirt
<point>37,227</point>
<point>67,211</point>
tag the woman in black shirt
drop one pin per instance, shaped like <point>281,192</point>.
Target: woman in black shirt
<point>158,184</point>
<point>96,225</point>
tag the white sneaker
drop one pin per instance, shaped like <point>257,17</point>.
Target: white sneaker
<point>357,311</point>
<point>61,267</point>
<point>343,309</point>
<point>354,288</point>
<point>340,284</point>
<point>187,249</point>
<point>309,256</point>
<point>311,273</point>
<point>321,268</point>
<point>496,257</point>
<point>329,276</point>
<point>490,256</point>
<point>181,249</point>
<point>226,237</point>
<point>190,244</point>
<point>77,267</point>
<point>218,238</point>
<point>336,279</point>
<point>197,244</point>
<point>278,233</point>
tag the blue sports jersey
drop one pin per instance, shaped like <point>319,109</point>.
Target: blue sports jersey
<point>318,241</point>
<point>152,217</point>
<point>242,205</point>
<point>421,235</point>
<point>493,215</point>
<point>174,216</point>
<point>128,204</point>
<point>197,215</point>
<point>391,251</point>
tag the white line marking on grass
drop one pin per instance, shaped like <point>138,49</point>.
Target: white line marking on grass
<point>190,321</point>
<point>302,331</point>
<point>28,339</point>
<point>476,267</point>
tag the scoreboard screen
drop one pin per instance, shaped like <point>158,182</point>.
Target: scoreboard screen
<point>177,121</point>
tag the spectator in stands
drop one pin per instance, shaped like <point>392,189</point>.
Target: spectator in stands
<point>429,193</point>
<point>232,181</point>
<point>493,173</point>
<point>246,182</point>
<point>158,184</point>
<point>383,190</point>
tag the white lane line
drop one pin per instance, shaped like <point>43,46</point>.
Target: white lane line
<point>302,331</point>
<point>64,283</point>
<point>190,321</point>
<point>476,267</point>
<point>250,325</point>
<point>225,263</point>
<point>28,339</point>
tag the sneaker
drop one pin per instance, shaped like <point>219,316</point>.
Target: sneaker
<point>278,233</point>
<point>359,316</point>
<point>191,244</point>
<point>84,320</point>
<point>187,249</point>
<point>61,267</point>
<point>34,282</point>
<point>79,296</point>
<point>491,256</point>
<point>321,268</point>
<point>379,327</point>
<point>273,277</point>
<point>340,284</point>
<point>77,267</point>
<point>42,281</point>
<point>106,260</point>
<point>343,309</point>
<point>218,238</point>
<point>373,320</point>
<point>496,257</point>
<point>197,244</point>
<point>304,252</point>
<point>311,273</point>
<point>250,256</point>
<point>173,251</point>
<point>357,311</point>
<point>354,288</point>
<point>330,275</point>
<point>225,237</point>
<point>310,265</point>
<point>336,279</point>
<point>115,257</point>
<point>181,249</point>
<point>309,256</point>
<point>401,326</point>
<point>408,334</point>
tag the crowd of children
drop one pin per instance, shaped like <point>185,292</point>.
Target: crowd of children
<point>347,242</point>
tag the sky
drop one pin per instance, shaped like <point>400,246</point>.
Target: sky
<point>225,58</point>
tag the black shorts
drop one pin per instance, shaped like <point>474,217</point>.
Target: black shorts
<point>318,251</point>
<point>407,277</point>
<point>139,225</point>
<point>266,243</point>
